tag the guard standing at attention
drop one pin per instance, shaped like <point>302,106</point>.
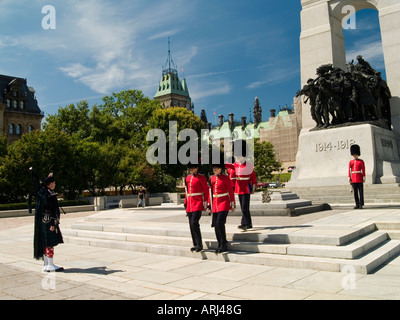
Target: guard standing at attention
<point>246,181</point>
<point>223,200</point>
<point>47,233</point>
<point>357,175</point>
<point>196,198</point>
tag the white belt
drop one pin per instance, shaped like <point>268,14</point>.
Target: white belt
<point>243,178</point>
<point>356,172</point>
<point>220,195</point>
<point>194,194</point>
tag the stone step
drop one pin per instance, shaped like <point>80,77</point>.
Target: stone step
<point>323,247</point>
<point>320,236</point>
<point>349,251</point>
<point>341,194</point>
<point>366,264</point>
<point>374,259</point>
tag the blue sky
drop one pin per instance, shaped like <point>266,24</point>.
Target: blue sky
<point>231,51</point>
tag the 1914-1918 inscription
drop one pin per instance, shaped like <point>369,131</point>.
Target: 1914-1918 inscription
<point>334,145</point>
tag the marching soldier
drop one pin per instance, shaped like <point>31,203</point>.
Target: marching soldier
<point>222,202</point>
<point>196,198</point>
<point>357,175</point>
<point>246,181</point>
<point>47,219</point>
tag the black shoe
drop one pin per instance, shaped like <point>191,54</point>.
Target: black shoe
<point>223,249</point>
<point>59,269</point>
<point>242,227</point>
<point>356,207</point>
<point>193,249</point>
<point>199,249</point>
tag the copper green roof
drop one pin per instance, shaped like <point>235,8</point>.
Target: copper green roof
<point>170,84</point>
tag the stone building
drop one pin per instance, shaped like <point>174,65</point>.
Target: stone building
<point>281,130</point>
<point>19,110</point>
<point>172,92</point>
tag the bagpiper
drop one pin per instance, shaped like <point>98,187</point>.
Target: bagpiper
<point>246,181</point>
<point>357,175</point>
<point>47,232</point>
<point>223,201</point>
<point>196,198</point>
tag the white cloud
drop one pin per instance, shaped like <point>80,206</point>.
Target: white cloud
<point>102,44</point>
<point>164,34</point>
<point>370,49</point>
<point>276,75</point>
<point>200,90</point>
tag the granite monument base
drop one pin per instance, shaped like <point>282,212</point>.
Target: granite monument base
<point>323,156</point>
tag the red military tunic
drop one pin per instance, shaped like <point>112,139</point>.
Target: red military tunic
<point>356,171</point>
<point>232,176</point>
<point>245,177</point>
<point>223,196</point>
<point>196,196</point>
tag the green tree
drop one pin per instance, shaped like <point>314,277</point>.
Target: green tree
<point>71,119</point>
<point>45,151</point>
<point>265,160</point>
<point>162,119</point>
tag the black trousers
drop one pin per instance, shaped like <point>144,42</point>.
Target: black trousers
<point>194,218</point>
<point>218,222</point>
<point>244,200</point>
<point>358,189</point>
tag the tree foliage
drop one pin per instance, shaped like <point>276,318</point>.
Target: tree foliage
<point>265,160</point>
<point>92,148</point>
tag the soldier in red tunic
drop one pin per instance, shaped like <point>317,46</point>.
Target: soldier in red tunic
<point>196,198</point>
<point>357,176</point>
<point>223,200</point>
<point>246,181</point>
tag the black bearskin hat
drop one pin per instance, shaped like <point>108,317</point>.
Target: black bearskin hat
<point>196,164</point>
<point>355,149</point>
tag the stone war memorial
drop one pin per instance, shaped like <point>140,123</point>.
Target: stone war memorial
<point>346,103</point>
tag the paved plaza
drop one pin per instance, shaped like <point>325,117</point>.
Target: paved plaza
<point>101,273</point>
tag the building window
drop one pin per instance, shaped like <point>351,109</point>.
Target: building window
<point>19,129</point>
<point>11,129</point>
<point>8,103</point>
<point>30,128</point>
<point>15,104</point>
<point>22,105</point>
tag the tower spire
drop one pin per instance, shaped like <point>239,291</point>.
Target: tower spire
<point>170,66</point>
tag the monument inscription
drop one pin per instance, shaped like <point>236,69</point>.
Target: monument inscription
<point>334,145</point>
